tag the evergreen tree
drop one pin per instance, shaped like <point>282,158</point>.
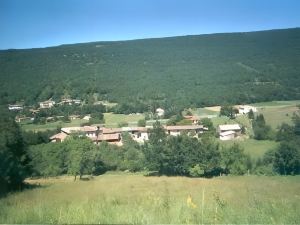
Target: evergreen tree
<point>13,158</point>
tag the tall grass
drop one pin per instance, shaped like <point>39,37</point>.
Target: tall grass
<point>127,198</point>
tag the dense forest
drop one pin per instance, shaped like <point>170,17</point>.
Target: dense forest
<point>178,71</point>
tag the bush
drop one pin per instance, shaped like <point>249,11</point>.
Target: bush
<point>196,171</point>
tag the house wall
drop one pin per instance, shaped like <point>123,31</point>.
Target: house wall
<point>227,137</point>
<point>140,137</point>
<point>174,133</point>
<point>91,134</point>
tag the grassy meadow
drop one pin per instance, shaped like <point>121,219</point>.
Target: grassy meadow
<point>277,115</point>
<point>113,120</point>
<point>51,125</point>
<point>134,198</point>
<point>256,149</point>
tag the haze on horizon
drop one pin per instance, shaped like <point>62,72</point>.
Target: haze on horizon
<point>34,23</point>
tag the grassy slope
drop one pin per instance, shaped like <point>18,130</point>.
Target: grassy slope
<point>119,198</point>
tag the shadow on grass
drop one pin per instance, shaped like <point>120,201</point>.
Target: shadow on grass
<point>209,174</point>
<point>6,190</point>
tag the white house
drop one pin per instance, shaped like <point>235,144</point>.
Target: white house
<point>245,109</point>
<point>160,112</point>
<point>227,135</point>
<point>90,131</point>
<point>47,104</point>
<point>177,130</point>
<point>139,134</point>
<point>229,131</point>
<point>15,107</point>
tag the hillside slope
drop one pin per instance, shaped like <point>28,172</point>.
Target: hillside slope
<point>182,71</point>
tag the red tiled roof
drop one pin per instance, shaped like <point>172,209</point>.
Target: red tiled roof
<point>107,137</point>
<point>89,129</point>
<point>111,130</point>
<point>60,136</point>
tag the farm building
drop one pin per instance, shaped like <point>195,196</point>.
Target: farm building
<point>15,107</point>
<point>160,112</point>
<point>245,109</point>
<point>60,137</point>
<point>114,138</point>
<point>194,119</point>
<point>139,134</point>
<point>47,104</point>
<point>227,135</point>
<point>229,131</point>
<point>190,129</point>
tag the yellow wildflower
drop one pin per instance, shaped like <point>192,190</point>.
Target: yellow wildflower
<point>190,202</point>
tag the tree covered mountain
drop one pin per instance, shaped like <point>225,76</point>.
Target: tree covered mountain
<point>182,71</point>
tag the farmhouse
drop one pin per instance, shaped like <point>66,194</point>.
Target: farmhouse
<point>194,119</point>
<point>71,130</point>
<point>229,131</point>
<point>47,104</point>
<point>245,109</point>
<point>15,107</point>
<point>60,137</point>
<point>160,112</point>
<point>68,101</point>
<point>110,138</point>
<point>190,129</point>
<point>227,135</point>
<point>139,134</point>
<point>90,131</point>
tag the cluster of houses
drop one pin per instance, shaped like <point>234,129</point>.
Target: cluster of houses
<point>141,134</point>
<point>114,135</point>
<point>65,101</point>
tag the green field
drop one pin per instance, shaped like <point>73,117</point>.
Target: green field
<point>135,199</point>
<point>113,120</point>
<point>277,103</point>
<point>51,125</point>
<point>275,116</point>
<point>256,149</point>
<point>202,112</point>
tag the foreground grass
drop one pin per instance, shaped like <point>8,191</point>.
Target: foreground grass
<point>129,198</point>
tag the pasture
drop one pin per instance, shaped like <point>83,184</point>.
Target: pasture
<point>256,149</point>
<point>277,115</point>
<point>135,199</point>
<point>51,125</point>
<point>113,120</point>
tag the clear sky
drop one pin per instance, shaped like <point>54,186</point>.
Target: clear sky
<point>40,23</point>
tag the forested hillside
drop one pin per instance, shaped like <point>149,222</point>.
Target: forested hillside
<point>178,71</point>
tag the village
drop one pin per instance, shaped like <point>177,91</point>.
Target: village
<point>100,133</point>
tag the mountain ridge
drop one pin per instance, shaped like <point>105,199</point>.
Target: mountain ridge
<point>179,71</point>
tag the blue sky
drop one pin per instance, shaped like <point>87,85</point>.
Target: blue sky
<point>41,23</point>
